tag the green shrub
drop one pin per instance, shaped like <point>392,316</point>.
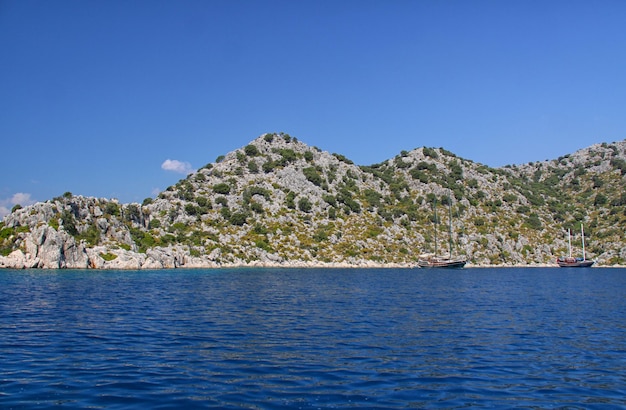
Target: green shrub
<point>342,158</point>
<point>256,207</point>
<point>259,229</point>
<point>290,200</point>
<point>253,167</point>
<point>112,208</point>
<point>143,240</point>
<point>69,223</point>
<point>353,206</point>
<point>472,183</point>
<point>179,226</point>
<point>619,201</point>
<point>202,201</point>
<point>509,197</point>
<point>372,197</point>
<point>220,200</point>
<point>430,152</point>
<point>330,199</point>
<point>132,213</point>
<point>288,156</point>
<point>238,218</point>
<point>600,200</point>
<point>251,150</point>
<point>255,190</point>
<point>534,222</point>
<point>190,209</point>
<point>108,256</point>
<point>312,175</point>
<point>597,182</point>
<point>619,164</point>
<point>154,224</point>
<point>419,175</point>
<point>54,223</point>
<point>263,244</point>
<point>22,229</point>
<point>373,231</point>
<point>304,204</point>
<point>320,235</point>
<point>91,235</point>
<point>399,163</point>
<point>268,166</point>
<point>5,233</point>
<point>221,188</point>
<point>456,171</point>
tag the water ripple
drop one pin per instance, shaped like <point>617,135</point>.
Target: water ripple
<point>275,339</point>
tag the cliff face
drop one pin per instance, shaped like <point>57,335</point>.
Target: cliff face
<point>278,201</point>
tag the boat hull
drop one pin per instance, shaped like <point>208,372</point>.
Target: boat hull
<point>570,261</point>
<point>574,263</point>
<point>441,264</point>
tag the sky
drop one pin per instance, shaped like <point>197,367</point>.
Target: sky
<point>121,99</point>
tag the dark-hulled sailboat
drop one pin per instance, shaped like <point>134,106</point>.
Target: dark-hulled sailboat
<point>570,261</point>
<point>435,261</point>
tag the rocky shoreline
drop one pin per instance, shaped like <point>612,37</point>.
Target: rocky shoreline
<point>48,248</point>
<point>161,259</point>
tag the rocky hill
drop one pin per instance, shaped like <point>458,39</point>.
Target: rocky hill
<point>278,201</point>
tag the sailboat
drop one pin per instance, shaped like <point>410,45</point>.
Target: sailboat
<point>570,261</point>
<point>435,261</point>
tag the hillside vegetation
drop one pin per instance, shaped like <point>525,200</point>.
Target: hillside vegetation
<point>278,201</point>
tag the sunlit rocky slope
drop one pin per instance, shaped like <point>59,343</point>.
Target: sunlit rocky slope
<point>278,201</point>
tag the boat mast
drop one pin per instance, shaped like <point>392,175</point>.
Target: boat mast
<point>450,225</point>
<point>435,212</point>
<point>569,241</point>
<point>582,233</point>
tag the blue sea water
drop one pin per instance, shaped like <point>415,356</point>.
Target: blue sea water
<point>313,338</point>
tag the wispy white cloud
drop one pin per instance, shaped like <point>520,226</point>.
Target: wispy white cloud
<point>177,166</point>
<point>22,198</point>
<point>19,198</point>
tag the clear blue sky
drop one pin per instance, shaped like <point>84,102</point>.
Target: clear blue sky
<point>96,96</point>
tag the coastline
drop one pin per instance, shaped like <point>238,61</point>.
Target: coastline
<point>21,261</point>
<point>103,258</point>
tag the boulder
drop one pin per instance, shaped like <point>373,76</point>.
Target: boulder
<point>14,260</point>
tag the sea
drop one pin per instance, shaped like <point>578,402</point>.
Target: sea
<point>247,338</point>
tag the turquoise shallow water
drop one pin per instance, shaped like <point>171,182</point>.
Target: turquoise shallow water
<point>313,338</point>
